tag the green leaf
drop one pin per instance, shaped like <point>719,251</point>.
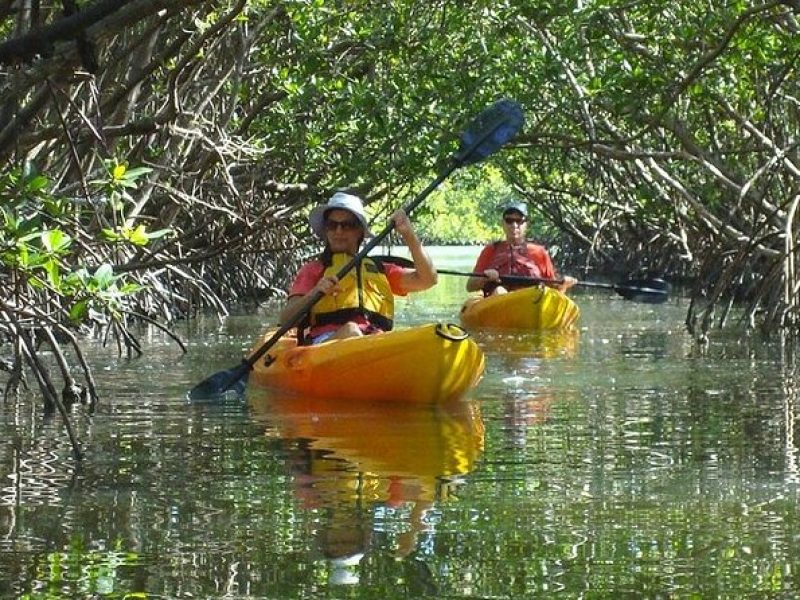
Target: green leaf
<point>28,237</point>
<point>136,173</point>
<point>79,310</point>
<point>130,288</point>
<point>110,235</point>
<point>76,278</point>
<point>23,256</point>
<point>159,233</point>
<point>138,236</point>
<point>36,282</point>
<point>10,220</point>
<point>104,276</point>
<point>36,183</point>
<point>53,273</point>
<point>55,241</point>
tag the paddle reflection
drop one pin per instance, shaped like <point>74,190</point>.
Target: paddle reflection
<point>355,461</point>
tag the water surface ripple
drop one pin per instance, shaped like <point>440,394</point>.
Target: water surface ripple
<point>620,460</point>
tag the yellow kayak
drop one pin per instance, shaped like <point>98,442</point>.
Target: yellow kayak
<point>420,365</point>
<point>536,308</point>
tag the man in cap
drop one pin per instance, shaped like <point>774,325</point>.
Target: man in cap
<point>514,256</point>
<point>363,301</point>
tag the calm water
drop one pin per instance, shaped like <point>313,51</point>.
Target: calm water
<point>620,461</point>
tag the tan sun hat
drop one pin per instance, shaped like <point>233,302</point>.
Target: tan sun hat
<point>341,201</point>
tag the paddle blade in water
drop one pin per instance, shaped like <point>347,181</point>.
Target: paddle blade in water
<point>232,381</point>
<point>490,131</point>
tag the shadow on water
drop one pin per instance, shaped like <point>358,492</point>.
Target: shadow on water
<point>363,465</point>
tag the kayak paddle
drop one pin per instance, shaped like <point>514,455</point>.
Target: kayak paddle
<point>492,129</point>
<point>650,291</point>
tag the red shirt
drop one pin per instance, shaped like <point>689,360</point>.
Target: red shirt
<point>536,253</point>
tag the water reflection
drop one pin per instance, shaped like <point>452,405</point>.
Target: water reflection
<point>623,460</point>
<point>358,462</point>
<point>530,345</point>
<point>520,412</point>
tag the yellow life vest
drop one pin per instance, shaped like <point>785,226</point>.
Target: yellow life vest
<point>364,291</point>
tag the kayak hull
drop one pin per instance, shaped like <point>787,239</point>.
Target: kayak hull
<point>420,365</point>
<point>537,308</point>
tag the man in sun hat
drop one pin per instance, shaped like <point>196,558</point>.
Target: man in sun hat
<point>363,301</point>
<point>513,256</point>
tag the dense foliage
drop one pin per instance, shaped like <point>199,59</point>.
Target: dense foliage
<point>159,157</point>
<point>464,210</point>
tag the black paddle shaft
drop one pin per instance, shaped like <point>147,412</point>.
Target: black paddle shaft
<point>651,291</point>
<point>647,290</point>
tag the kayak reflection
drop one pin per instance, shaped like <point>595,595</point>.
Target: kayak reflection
<point>353,460</point>
<point>532,345</point>
<point>406,449</point>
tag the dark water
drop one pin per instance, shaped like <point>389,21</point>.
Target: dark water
<point>621,461</point>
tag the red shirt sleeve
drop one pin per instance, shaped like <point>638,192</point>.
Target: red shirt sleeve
<point>485,258</point>
<point>306,278</point>
<point>542,258</point>
<point>394,273</point>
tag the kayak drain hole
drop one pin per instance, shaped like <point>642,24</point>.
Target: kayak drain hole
<point>451,331</point>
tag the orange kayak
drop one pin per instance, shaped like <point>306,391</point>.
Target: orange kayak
<point>420,365</point>
<point>536,308</point>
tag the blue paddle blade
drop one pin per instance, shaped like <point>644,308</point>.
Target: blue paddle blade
<point>490,131</point>
<point>648,291</point>
<point>231,381</point>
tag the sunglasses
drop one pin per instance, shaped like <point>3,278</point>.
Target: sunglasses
<point>514,220</point>
<point>349,225</point>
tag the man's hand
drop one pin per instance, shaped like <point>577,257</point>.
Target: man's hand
<point>492,275</point>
